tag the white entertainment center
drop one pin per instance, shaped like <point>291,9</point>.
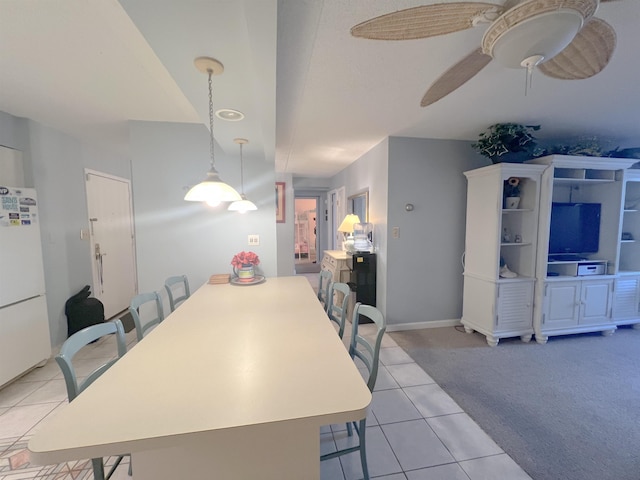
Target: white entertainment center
<point>552,294</point>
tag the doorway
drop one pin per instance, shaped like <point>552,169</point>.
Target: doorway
<point>112,240</point>
<point>306,234</point>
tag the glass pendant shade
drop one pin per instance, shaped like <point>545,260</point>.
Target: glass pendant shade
<point>212,190</point>
<point>242,206</point>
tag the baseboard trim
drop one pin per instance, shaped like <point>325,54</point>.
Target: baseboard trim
<point>396,327</point>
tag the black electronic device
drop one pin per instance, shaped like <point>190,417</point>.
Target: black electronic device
<point>363,278</point>
<point>574,229</point>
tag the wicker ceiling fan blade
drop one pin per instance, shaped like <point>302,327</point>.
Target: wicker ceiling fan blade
<point>587,55</point>
<point>425,21</point>
<point>456,76</point>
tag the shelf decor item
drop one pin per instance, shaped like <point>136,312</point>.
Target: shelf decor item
<point>511,193</point>
<point>244,264</point>
<point>508,142</point>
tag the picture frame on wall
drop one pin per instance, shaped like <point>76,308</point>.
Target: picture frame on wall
<point>280,190</point>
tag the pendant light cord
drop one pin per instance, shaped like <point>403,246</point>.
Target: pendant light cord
<point>241,172</point>
<point>211,120</point>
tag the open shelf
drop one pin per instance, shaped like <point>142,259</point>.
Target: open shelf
<point>516,210</point>
<point>583,175</point>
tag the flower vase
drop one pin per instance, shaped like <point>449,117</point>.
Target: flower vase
<point>245,273</point>
<point>511,203</point>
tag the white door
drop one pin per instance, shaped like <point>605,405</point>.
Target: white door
<point>112,240</point>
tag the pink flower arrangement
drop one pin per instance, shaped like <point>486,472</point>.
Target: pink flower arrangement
<point>245,258</point>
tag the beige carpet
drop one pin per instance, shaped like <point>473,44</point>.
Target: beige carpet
<point>567,410</point>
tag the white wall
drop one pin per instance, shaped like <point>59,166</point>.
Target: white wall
<point>177,237</point>
<point>371,172</point>
<point>54,165</point>
<point>424,272</point>
<point>284,231</point>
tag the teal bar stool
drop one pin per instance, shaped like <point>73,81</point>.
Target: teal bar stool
<point>139,309</point>
<point>338,313</point>
<point>75,385</point>
<point>324,282</point>
<point>177,290</point>
<point>368,351</point>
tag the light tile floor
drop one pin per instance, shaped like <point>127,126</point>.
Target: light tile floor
<point>415,431</point>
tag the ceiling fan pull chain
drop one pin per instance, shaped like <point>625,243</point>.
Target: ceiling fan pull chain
<point>529,64</point>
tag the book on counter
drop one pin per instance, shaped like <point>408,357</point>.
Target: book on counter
<point>219,278</point>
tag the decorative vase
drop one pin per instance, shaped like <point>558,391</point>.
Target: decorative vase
<point>512,203</point>
<point>511,157</point>
<point>245,272</point>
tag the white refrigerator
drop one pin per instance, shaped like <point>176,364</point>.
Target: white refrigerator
<point>24,323</point>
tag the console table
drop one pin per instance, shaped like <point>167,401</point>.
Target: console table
<point>335,261</point>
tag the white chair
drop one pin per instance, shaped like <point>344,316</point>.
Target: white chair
<point>324,282</point>
<point>368,352</point>
<point>146,301</point>
<point>76,385</point>
<point>338,313</point>
<point>177,290</point>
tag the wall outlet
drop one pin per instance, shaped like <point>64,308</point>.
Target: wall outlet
<point>395,232</point>
<point>254,240</point>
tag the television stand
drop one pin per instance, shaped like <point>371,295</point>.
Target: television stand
<point>568,257</point>
<point>576,268</point>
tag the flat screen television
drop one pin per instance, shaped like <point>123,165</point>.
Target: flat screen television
<point>575,228</point>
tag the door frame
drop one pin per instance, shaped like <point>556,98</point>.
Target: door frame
<point>319,228</point>
<point>336,202</point>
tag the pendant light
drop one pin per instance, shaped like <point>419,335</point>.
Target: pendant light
<point>243,205</point>
<point>212,189</point>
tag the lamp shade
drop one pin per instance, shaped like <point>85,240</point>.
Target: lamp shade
<point>242,206</point>
<point>212,190</point>
<point>347,224</point>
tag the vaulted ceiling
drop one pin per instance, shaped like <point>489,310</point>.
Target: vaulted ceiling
<point>314,96</point>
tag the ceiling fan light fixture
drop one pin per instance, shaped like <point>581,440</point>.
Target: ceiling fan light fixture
<point>536,28</point>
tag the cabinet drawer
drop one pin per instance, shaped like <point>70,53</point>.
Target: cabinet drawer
<point>330,261</point>
<point>326,264</point>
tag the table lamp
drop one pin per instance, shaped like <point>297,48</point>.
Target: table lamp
<point>346,227</point>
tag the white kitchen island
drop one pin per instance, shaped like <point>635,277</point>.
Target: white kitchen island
<point>234,384</point>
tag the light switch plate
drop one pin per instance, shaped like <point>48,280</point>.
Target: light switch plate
<point>254,240</point>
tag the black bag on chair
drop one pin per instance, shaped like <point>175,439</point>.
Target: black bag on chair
<point>82,310</point>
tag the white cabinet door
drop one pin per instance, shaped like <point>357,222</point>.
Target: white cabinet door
<point>626,298</point>
<point>562,302</point>
<point>595,302</point>
<point>515,306</point>
<point>24,337</point>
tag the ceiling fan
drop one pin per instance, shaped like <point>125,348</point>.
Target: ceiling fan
<point>562,38</point>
